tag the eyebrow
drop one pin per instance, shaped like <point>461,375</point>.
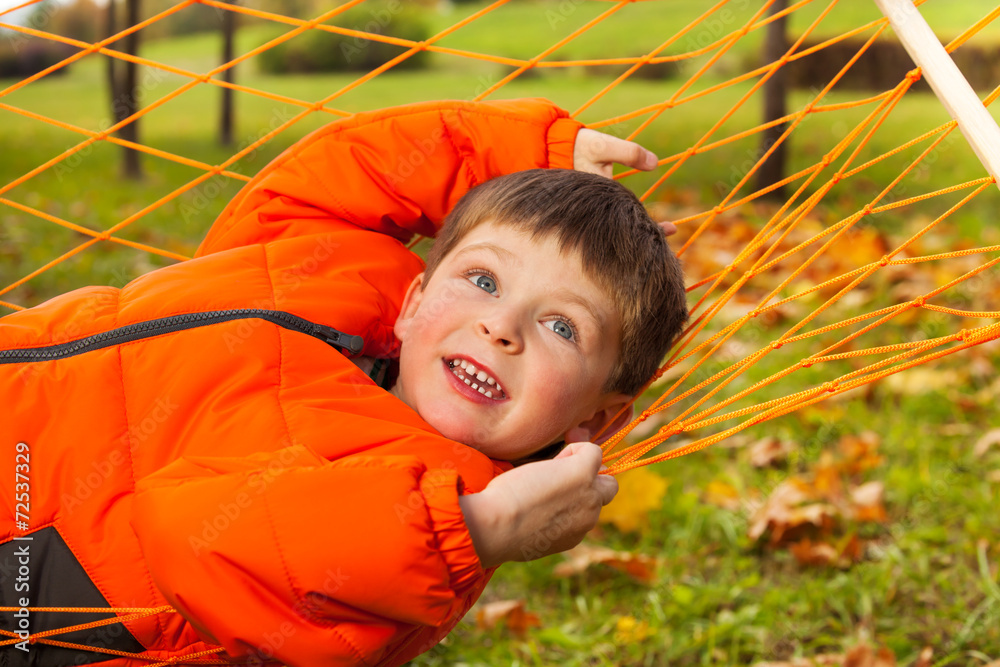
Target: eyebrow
<point>509,258</point>
<point>574,298</point>
<point>502,254</point>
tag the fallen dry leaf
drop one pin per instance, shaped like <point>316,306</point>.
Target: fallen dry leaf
<point>722,494</point>
<point>823,554</point>
<point>863,655</point>
<point>922,380</point>
<point>768,451</point>
<point>581,557</point>
<point>790,505</point>
<point>808,552</point>
<point>866,502</point>
<point>860,452</point>
<point>926,657</point>
<point>812,515</point>
<point>826,482</point>
<point>639,491</point>
<point>509,612</point>
<point>629,630</point>
<point>987,440</point>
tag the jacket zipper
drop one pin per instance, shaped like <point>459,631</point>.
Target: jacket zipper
<point>163,325</point>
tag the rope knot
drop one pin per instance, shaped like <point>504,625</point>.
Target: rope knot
<point>919,302</point>
<point>775,345</point>
<point>805,363</point>
<point>830,386</point>
<point>884,261</point>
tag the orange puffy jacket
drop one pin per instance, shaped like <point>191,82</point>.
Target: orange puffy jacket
<point>200,439</point>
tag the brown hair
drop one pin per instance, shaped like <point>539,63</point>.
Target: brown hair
<point>620,246</point>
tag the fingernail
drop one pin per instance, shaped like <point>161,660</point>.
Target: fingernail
<point>651,160</point>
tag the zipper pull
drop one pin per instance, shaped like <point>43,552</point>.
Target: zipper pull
<point>339,339</point>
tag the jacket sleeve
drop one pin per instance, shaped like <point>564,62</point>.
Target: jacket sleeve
<point>397,171</point>
<point>347,556</point>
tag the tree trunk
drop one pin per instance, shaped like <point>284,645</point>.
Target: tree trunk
<point>111,29</point>
<point>226,116</point>
<point>123,88</point>
<point>775,91</point>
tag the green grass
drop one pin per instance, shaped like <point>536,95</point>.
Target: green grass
<point>718,599</point>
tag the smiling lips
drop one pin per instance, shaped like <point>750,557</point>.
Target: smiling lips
<point>477,378</point>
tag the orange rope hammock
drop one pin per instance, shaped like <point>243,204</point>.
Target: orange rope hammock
<point>714,382</point>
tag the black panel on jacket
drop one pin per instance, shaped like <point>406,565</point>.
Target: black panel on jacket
<point>55,578</point>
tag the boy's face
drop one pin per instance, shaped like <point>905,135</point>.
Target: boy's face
<point>507,346</point>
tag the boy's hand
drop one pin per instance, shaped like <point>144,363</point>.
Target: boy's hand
<point>539,508</point>
<point>596,153</point>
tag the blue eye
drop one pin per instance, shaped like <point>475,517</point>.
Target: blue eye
<point>484,282</point>
<point>561,327</point>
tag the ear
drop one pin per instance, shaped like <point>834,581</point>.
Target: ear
<point>587,431</point>
<point>411,303</point>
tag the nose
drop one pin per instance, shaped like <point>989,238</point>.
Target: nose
<point>501,329</point>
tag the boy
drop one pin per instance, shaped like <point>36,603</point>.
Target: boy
<point>196,439</point>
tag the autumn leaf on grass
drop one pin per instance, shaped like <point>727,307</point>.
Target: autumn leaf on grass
<point>861,655</point>
<point>923,380</point>
<point>510,613</point>
<point>769,451</point>
<point>821,553</point>
<point>581,557</point>
<point>860,452</point>
<point>792,504</point>
<point>629,630</point>
<point>639,491</point>
<point>926,658</point>
<point>866,502</point>
<point>722,494</point>
<point>826,482</point>
<point>864,655</point>
<point>988,439</point>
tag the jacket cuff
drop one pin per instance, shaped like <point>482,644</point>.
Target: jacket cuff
<point>440,491</point>
<point>561,139</point>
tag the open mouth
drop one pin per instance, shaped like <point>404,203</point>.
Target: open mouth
<point>477,378</point>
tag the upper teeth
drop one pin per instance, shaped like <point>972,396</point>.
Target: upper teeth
<point>478,379</point>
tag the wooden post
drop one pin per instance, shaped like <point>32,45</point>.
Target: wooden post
<point>946,80</point>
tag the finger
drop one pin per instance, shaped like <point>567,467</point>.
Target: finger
<point>606,487</point>
<point>668,228</point>
<point>587,457</point>
<point>568,450</point>
<point>628,153</point>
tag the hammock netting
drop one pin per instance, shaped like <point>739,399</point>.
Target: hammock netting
<point>833,293</point>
